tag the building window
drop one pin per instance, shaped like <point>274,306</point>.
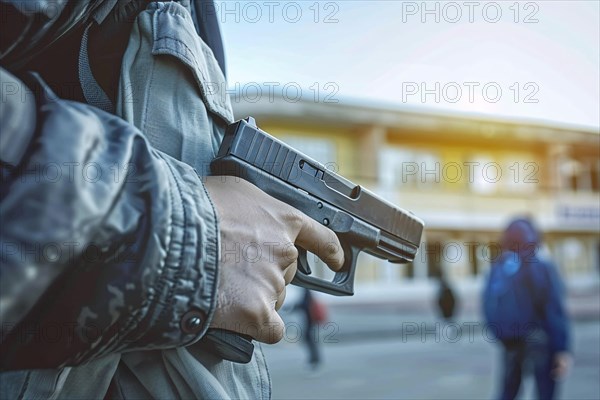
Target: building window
<point>571,173</point>
<point>484,175</point>
<point>580,175</point>
<point>321,150</point>
<point>409,168</point>
<point>572,256</point>
<point>520,174</point>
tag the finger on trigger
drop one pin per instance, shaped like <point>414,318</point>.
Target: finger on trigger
<point>321,241</point>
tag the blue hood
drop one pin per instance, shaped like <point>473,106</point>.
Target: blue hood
<point>520,236</point>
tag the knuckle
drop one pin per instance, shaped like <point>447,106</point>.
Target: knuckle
<point>291,254</point>
<point>295,219</point>
<point>276,335</point>
<point>279,284</point>
<point>289,273</point>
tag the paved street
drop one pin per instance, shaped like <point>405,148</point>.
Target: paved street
<point>416,364</point>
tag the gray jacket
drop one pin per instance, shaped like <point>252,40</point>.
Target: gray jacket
<point>109,240</point>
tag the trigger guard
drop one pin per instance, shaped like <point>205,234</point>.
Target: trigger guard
<point>342,283</point>
<point>302,261</point>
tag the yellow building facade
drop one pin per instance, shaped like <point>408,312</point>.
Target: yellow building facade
<point>466,177</point>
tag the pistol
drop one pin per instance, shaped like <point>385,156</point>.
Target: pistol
<point>362,220</point>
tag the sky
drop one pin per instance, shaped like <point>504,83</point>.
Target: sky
<point>522,60</point>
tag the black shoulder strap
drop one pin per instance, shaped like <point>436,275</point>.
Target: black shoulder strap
<point>102,47</point>
<point>105,40</point>
<point>103,10</point>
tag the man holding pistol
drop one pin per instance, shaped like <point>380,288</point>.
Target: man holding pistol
<point>112,232</point>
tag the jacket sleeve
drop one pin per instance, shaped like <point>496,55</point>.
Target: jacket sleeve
<point>556,321</point>
<point>107,245</point>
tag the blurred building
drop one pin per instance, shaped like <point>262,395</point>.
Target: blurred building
<point>465,176</point>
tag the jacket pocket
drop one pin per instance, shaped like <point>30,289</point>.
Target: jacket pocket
<point>175,35</point>
<point>172,88</point>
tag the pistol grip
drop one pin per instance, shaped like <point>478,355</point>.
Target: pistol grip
<point>229,345</point>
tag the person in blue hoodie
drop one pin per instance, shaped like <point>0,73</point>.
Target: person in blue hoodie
<point>524,307</point>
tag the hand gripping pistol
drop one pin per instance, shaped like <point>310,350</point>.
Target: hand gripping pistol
<point>361,220</point>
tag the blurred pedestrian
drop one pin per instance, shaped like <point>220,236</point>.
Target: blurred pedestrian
<point>314,313</point>
<point>446,299</point>
<point>524,307</point>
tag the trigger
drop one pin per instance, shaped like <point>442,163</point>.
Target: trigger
<point>303,262</point>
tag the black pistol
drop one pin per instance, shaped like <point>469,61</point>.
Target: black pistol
<point>361,220</point>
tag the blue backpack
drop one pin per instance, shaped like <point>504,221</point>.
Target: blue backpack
<point>508,299</point>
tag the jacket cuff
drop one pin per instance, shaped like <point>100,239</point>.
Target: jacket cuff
<point>189,278</point>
